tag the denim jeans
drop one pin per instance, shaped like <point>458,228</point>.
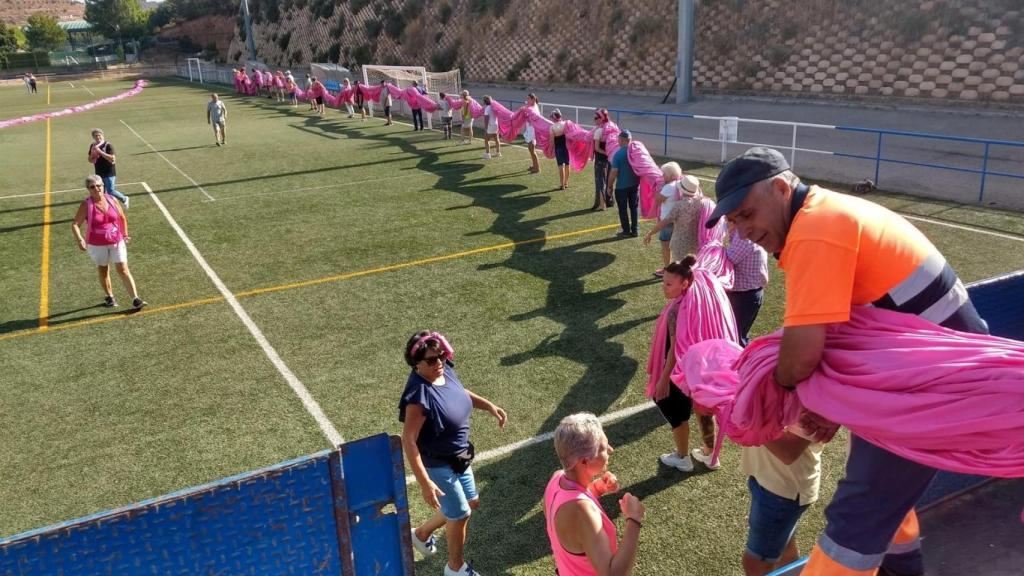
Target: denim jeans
<point>108,184</point>
<point>632,196</point>
<point>745,306</point>
<point>600,180</point>
<point>417,119</point>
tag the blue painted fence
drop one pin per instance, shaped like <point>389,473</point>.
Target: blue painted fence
<point>334,512</point>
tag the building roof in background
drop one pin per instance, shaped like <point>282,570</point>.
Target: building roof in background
<point>75,25</point>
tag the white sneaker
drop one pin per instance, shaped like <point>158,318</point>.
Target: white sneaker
<point>705,459</point>
<point>497,155</point>
<point>674,460</point>
<point>466,570</point>
<point>487,156</point>
<point>426,549</point>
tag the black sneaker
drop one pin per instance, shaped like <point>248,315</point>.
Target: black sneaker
<point>139,303</point>
<point>634,234</point>
<point>109,302</point>
<point>621,234</point>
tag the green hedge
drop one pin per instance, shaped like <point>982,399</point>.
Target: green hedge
<point>25,60</point>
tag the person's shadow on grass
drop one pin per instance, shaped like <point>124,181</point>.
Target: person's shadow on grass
<point>512,486</point>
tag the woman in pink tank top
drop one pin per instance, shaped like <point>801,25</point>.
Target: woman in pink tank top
<point>107,239</point>
<point>583,537</point>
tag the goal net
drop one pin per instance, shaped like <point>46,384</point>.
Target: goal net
<point>403,76</point>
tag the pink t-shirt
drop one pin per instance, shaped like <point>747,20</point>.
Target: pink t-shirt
<point>555,496</point>
<point>105,227</point>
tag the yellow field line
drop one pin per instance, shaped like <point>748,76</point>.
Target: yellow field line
<point>305,283</point>
<point>44,267</point>
<point>431,260</point>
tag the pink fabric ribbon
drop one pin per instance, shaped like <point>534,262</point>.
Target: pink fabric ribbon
<point>704,311</point>
<point>945,399</point>
<point>649,173</point>
<point>137,89</point>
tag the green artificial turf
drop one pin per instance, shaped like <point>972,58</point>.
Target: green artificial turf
<point>341,238</point>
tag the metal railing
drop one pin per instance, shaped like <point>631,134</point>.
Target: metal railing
<point>665,127</point>
<point>726,133</point>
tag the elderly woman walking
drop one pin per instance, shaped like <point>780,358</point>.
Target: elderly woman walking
<point>583,539</point>
<point>435,409</point>
<point>107,239</point>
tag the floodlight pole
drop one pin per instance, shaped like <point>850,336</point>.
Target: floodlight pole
<point>684,53</point>
<point>248,31</point>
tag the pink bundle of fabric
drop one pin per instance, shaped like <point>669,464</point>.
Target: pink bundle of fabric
<point>137,89</point>
<point>711,254</point>
<point>415,100</point>
<point>238,84</point>
<point>649,173</point>
<point>371,92</point>
<point>346,96</point>
<point>475,109</point>
<point>945,399</point>
<point>704,310</point>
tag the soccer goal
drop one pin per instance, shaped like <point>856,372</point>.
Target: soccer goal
<point>195,70</point>
<point>403,77</point>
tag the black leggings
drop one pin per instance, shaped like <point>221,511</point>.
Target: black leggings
<point>676,407</point>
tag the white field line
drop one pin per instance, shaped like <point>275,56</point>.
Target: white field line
<point>962,227</point>
<point>937,222</point>
<point>510,448</point>
<point>63,191</point>
<point>89,91</point>
<point>70,84</point>
<point>333,436</point>
<point>180,171</point>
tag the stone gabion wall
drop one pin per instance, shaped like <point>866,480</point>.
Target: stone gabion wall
<point>628,44</point>
<point>927,50</point>
<point>959,50</point>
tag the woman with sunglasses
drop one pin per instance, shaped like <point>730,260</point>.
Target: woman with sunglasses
<point>435,410</point>
<point>107,239</point>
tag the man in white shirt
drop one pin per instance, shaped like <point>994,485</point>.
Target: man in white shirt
<point>217,115</point>
<point>784,477</point>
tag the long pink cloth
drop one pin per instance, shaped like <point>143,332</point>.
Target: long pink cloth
<point>649,173</point>
<point>704,311</point>
<point>137,89</point>
<point>945,399</point>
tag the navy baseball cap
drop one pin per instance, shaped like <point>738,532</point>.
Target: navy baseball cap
<point>740,174</point>
<point>625,134</point>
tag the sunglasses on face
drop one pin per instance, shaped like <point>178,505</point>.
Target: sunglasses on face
<point>431,360</point>
<point>95,186</point>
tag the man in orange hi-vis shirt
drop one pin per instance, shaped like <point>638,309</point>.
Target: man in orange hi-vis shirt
<point>840,251</point>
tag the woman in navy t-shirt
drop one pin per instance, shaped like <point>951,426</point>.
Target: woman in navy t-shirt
<point>435,409</point>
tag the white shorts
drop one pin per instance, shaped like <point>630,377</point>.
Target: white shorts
<point>492,130</point>
<point>108,254</point>
<point>468,123</point>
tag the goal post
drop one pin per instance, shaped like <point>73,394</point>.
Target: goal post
<point>195,70</point>
<point>403,77</point>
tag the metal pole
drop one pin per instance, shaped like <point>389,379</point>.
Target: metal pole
<point>249,41</point>
<point>984,172</point>
<point>684,53</point>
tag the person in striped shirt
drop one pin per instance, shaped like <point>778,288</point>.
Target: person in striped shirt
<point>750,263</point>
<point>840,251</point>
